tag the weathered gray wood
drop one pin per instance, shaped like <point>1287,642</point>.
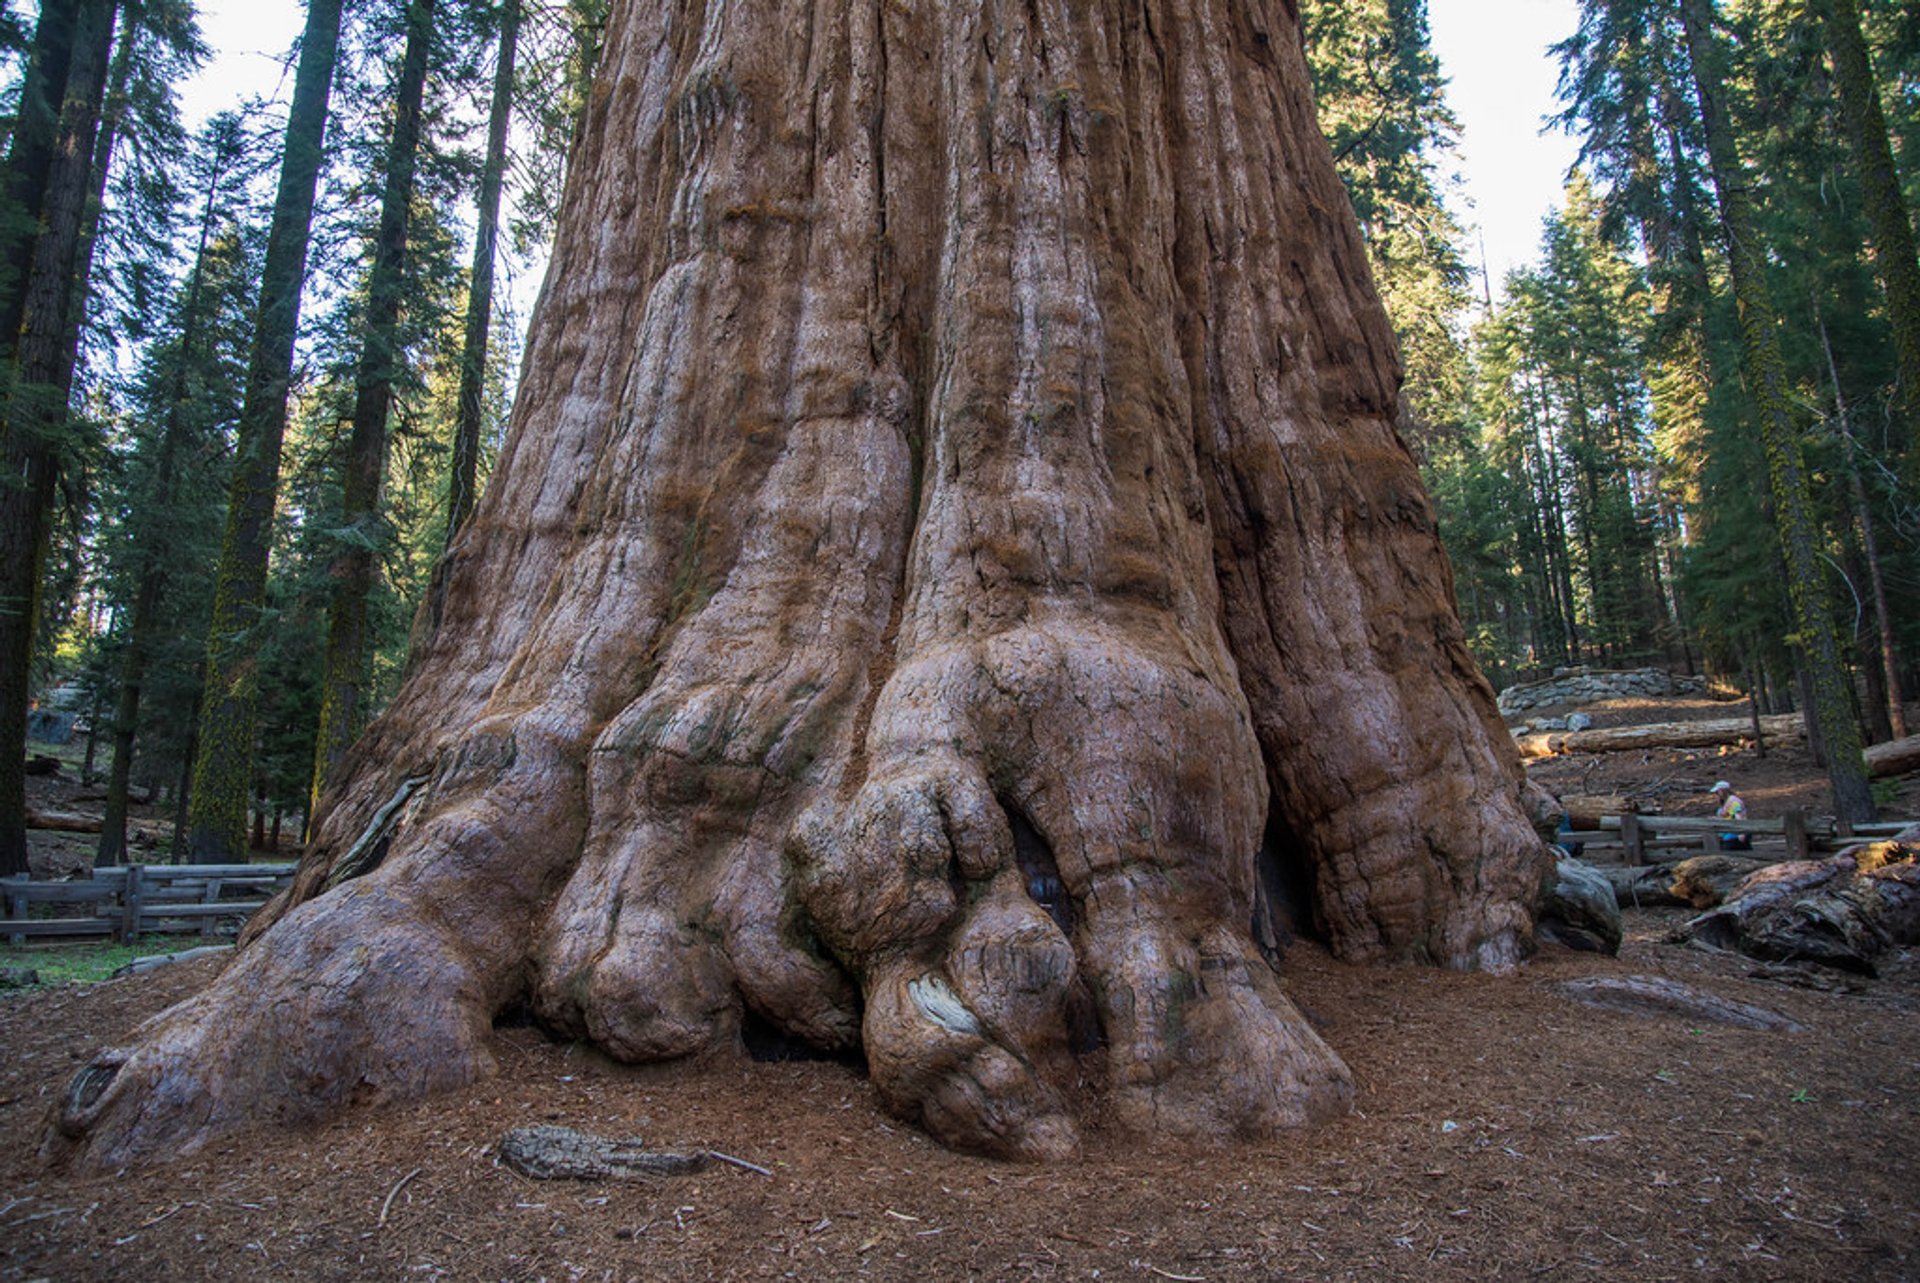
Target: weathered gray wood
<point>130,903</point>
<point>154,961</point>
<point>17,931</point>
<point>1630,835</point>
<point>194,872</point>
<point>163,898</point>
<point>1656,996</point>
<point>1642,888</point>
<point>223,909</point>
<point>1580,910</point>
<point>1841,912</point>
<point>22,892</point>
<point>1707,880</point>
<point>546,1153</point>
<point>1794,825</point>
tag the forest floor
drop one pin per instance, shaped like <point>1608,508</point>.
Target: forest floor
<point>1500,1132</point>
<point>1676,781</point>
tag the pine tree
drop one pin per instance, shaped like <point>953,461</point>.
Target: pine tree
<point>1892,221</point>
<point>37,381</point>
<point>187,393</point>
<point>473,353</point>
<point>343,706</point>
<point>1382,105</point>
<point>1765,371</point>
<point>223,767</point>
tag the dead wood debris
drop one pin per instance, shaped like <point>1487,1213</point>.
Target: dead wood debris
<point>547,1153</point>
<point>1654,996</point>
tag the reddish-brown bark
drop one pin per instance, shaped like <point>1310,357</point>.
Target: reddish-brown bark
<point>951,534</point>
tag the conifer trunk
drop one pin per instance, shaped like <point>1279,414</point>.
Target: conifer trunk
<point>35,390</point>
<point>950,552</point>
<point>355,566</point>
<point>1831,727</point>
<point>30,156</point>
<point>473,351</point>
<point>152,574</point>
<point>1894,257</point>
<point>223,764</point>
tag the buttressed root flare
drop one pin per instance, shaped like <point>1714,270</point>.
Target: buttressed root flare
<point>951,536</point>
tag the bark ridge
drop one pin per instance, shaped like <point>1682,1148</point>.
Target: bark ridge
<point>952,560</point>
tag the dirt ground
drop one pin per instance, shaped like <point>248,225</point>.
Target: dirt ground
<point>1501,1132</point>
<point>1675,781</point>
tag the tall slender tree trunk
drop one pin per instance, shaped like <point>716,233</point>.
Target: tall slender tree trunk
<point>356,565</point>
<point>473,351</point>
<point>36,125</point>
<point>223,767</point>
<point>1766,379</point>
<point>1894,256</point>
<point>955,456</point>
<point>35,407</point>
<point>1887,656</point>
<point>152,574</point>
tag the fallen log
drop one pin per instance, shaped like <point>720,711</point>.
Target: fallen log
<point>548,1153</point>
<point>1779,729</point>
<point>154,961</point>
<point>1655,996</point>
<point>1895,757</point>
<point>1643,886</point>
<point>1707,880</point>
<point>1842,912</point>
<point>63,822</point>
<point>1584,810</point>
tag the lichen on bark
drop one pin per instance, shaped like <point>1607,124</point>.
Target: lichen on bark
<point>951,534</point>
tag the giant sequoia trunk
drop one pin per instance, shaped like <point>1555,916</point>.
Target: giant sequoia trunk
<point>951,557</point>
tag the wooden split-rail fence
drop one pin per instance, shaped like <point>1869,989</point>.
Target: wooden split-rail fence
<point>1648,839</point>
<point>127,901</point>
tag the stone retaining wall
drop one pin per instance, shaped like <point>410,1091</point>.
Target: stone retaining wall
<point>1590,686</point>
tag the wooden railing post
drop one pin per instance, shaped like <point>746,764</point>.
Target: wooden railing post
<point>1795,828</point>
<point>130,905</point>
<point>1630,839</point>
<point>17,909</point>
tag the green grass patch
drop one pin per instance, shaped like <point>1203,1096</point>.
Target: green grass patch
<point>78,963</point>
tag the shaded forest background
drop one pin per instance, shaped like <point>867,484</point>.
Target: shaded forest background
<point>242,425</point>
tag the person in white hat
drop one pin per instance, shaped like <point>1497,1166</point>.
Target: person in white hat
<point>1731,808</point>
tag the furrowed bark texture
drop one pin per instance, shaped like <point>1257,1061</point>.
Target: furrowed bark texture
<point>951,547</point>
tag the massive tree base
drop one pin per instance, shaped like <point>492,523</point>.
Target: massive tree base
<point>952,570</point>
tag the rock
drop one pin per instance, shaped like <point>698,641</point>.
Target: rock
<point>1579,721</point>
<point>1580,910</point>
<point>1585,686</point>
<point>547,1153</point>
<point>1656,996</point>
<point>18,977</point>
